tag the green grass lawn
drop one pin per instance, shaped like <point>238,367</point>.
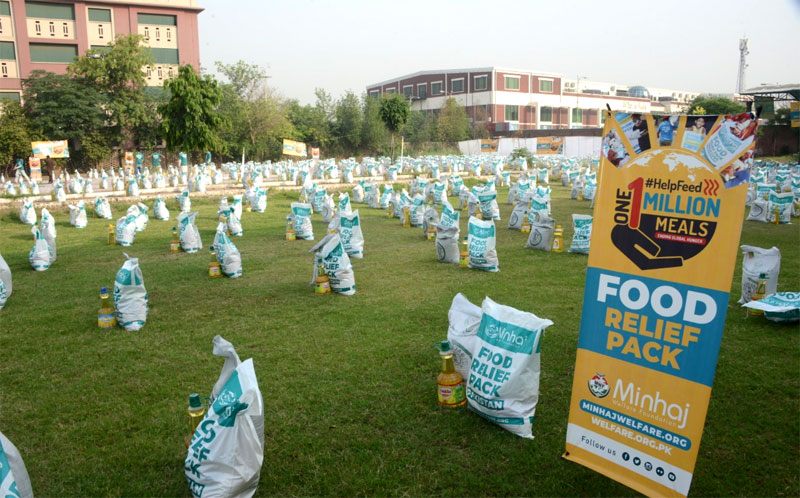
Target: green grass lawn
<point>349,383</point>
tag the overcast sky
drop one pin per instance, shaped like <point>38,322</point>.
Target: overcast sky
<point>344,45</point>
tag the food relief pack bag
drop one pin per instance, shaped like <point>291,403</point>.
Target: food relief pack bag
<point>481,241</point>
<point>350,233</point>
<point>227,449</point>
<point>188,232</point>
<point>130,296</point>
<point>755,262</point>
<point>5,284</point>
<point>582,234</point>
<point>464,318</point>
<point>41,256</point>
<point>14,480</point>
<point>227,254</point>
<point>160,211</point>
<point>301,214</point>
<point>503,381</point>
<point>331,254</point>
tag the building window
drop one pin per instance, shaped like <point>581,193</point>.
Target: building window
<point>100,15</point>
<point>408,91</point>
<point>512,113</point>
<point>62,54</point>
<point>436,88</point>
<point>546,115</point>
<point>146,33</point>
<point>159,19</point>
<point>546,86</point>
<point>457,85</point>
<point>9,96</point>
<point>148,71</point>
<point>50,10</point>
<point>511,82</point>
<point>165,55</point>
<point>374,93</point>
<point>5,8</point>
<point>391,90</point>
<point>577,115</point>
<point>169,33</point>
<point>422,91</point>
<point>7,51</point>
<point>481,83</point>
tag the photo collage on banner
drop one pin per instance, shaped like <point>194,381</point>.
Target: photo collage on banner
<point>667,220</point>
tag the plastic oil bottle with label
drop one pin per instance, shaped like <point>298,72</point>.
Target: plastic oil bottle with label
<point>558,239</point>
<point>463,256</point>
<point>112,239</point>
<point>406,216</point>
<point>759,294</point>
<point>526,225</point>
<point>214,270</point>
<point>430,234</point>
<point>322,284</point>
<point>196,413</point>
<point>175,245</point>
<point>290,234</point>
<point>105,315</point>
<point>450,383</point>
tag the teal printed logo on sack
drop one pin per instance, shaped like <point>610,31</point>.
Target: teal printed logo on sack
<point>227,404</point>
<point>508,336</point>
<point>126,277</point>
<point>481,232</point>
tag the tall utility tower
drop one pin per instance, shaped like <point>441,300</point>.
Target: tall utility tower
<point>742,64</point>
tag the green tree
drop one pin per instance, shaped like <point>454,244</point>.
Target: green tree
<point>190,119</point>
<point>117,72</point>
<point>60,107</point>
<point>393,111</point>
<point>15,135</point>
<point>373,131</point>
<point>453,123</point>
<point>716,105</point>
<point>418,127</point>
<point>349,121</point>
<point>256,118</point>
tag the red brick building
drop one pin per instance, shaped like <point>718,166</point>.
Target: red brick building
<point>48,35</point>
<point>515,99</point>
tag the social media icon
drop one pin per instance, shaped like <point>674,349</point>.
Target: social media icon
<point>671,476</point>
<point>637,461</point>
<point>659,471</point>
<point>626,456</point>
<point>648,466</point>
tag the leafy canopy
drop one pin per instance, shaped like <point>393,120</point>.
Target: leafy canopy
<point>190,119</point>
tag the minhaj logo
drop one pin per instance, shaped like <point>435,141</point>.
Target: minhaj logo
<point>598,385</point>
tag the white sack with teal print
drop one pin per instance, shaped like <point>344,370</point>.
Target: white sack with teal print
<point>130,296</point>
<point>14,480</point>
<point>503,382</point>
<point>227,450</point>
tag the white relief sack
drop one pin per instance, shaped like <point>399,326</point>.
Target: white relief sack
<point>226,453</point>
<point>503,381</point>
<point>130,296</point>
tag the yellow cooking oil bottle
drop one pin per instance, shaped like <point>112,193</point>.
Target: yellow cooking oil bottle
<point>406,216</point>
<point>175,245</point>
<point>526,225</point>
<point>105,315</point>
<point>463,259</point>
<point>450,383</point>
<point>213,265</point>
<point>290,235</point>
<point>322,284</point>
<point>761,292</point>
<point>196,413</point>
<point>112,239</point>
<point>558,239</point>
<point>431,232</point>
<point>478,212</point>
